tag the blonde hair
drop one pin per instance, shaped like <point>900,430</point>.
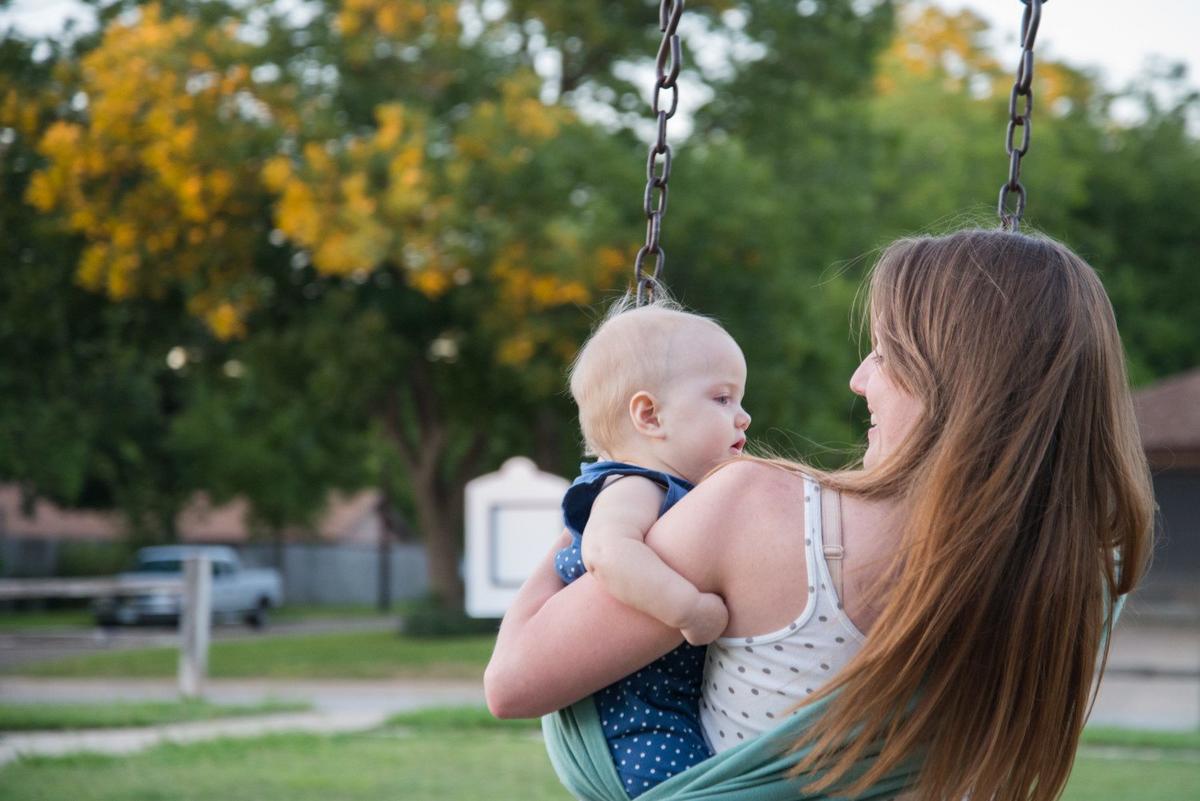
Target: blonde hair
<point>1028,507</point>
<point>633,349</point>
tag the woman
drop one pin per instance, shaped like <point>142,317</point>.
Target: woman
<point>1004,499</point>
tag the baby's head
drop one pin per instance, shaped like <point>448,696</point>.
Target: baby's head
<point>661,381</point>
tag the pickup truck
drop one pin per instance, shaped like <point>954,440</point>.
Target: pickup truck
<point>237,592</point>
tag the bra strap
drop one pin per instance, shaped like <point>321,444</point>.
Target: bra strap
<point>831,514</point>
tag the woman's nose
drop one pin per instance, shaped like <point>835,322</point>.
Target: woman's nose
<point>858,381</point>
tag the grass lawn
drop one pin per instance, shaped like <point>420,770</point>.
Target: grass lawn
<point>458,718</point>
<point>296,612</point>
<point>450,765</point>
<point>1134,780</point>
<point>351,655</point>
<point>431,755</point>
<point>26,620</point>
<point>14,621</point>
<point>47,717</point>
<point>1135,738</point>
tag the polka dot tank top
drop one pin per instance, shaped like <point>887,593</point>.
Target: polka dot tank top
<point>750,683</point>
<point>651,719</point>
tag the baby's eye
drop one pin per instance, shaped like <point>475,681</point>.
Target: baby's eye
<point>724,400</point>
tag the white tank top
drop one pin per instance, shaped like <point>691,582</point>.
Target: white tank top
<point>750,683</point>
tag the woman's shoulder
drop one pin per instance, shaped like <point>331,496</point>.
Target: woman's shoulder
<point>749,491</point>
<point>736,512</point>
<point>752,477</point>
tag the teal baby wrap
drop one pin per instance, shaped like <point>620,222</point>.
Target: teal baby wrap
<point>751,771</point>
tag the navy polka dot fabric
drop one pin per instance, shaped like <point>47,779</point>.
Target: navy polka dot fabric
<point>652,718</point>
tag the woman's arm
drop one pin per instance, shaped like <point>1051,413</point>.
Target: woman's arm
<point>557,646</point>
<point>580,640</point>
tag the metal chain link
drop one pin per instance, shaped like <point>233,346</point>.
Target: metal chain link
<point>658,163</point>
<point>1022,88</point>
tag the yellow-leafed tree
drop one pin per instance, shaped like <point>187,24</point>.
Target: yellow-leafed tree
<point>422,184</point>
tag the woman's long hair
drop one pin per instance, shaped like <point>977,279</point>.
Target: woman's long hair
<point>1028,506</point>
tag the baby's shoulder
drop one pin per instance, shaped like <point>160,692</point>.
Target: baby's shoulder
<point>632,501</point>
<point>631,487</point>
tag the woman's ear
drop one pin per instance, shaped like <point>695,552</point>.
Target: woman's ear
<point>643,412</point>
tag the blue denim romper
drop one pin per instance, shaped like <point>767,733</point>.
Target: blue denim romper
<point>651,719</point>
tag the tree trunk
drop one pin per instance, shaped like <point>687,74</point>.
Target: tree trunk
<point>422,447</point>
<point>423,442</point>
<point>278,554</point>
<point>384,596</point>
<point>393,528</point>
<point>443,550</point>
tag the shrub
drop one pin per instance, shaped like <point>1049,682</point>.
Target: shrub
<point>432,618</point>
<point>93,558</point>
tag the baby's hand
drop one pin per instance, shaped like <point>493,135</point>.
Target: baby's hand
<point>708,620</point>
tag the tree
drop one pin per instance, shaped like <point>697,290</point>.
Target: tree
<point>86,396</point>
<point>379,230</point>
<point>1118,192</point>
<point>429,215</point>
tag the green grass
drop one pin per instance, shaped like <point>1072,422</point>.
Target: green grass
<point>26,620</point>
<point>431,755</point>
<point>387,764</point>
<point>1133,780</point>
<point>14,621</point>
<point>47,717</point>
<point>459,718</point>
<point>352,655</point>
<point>1135,738</point>
<point>291,613</point>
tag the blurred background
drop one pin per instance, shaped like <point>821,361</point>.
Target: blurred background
<point>284,275</point>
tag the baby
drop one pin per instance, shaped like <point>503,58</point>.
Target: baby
<point>659,392</point>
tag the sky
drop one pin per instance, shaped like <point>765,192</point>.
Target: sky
<point>1116,39</point>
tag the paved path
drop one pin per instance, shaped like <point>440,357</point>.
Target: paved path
<point>339,706</point>
<point>1153,678</point>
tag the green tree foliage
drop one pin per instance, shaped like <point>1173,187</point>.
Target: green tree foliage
<point>85,394</point>
<point>379,229</point>
<point>1122,194</point>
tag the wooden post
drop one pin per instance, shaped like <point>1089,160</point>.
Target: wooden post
<point>384,579</point>
<point>389,522</point>
<point>195,623</point>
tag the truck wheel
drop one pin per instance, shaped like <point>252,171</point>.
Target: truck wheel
<point>257,619</point>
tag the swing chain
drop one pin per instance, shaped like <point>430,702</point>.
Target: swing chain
<point>1022,88</point>
<point>658,162</point>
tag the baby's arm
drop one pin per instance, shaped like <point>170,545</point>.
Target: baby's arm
<point>615,553</point>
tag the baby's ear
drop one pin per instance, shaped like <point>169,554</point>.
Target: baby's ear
<point>643,411</point>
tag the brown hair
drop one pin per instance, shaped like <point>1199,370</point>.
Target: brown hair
<point>1028,506</point>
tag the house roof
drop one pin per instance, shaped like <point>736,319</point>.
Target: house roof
<point>347,518</point>
<point>1168,414</point>
<point>49,521</point>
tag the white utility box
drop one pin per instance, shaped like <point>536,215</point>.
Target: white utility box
<point>513,516</point>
